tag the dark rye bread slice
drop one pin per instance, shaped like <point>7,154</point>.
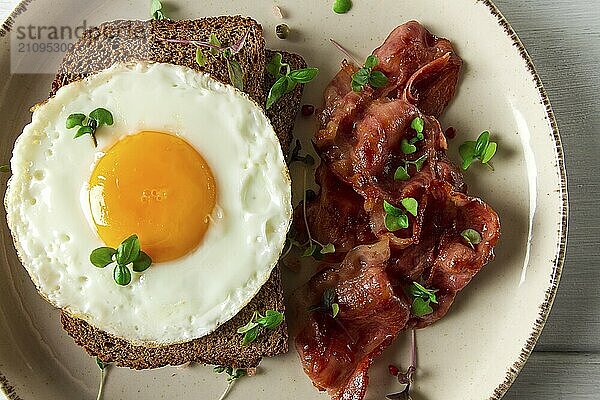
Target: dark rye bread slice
<point>98,49</point>
<point>132,40</point>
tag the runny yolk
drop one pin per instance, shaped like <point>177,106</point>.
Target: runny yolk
<point>157,186</point>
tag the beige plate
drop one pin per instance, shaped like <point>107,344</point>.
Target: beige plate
<point>475,352</point>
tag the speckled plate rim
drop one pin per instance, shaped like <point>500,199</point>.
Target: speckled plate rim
<point>559,257</point>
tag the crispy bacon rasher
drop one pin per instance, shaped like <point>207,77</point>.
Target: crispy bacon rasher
<point>358,140</point>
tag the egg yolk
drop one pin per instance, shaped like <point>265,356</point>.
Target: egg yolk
<point>157,186</point>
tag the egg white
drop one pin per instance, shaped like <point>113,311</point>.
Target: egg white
<point>48,209</point>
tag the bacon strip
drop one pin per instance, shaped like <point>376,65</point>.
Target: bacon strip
<point>359,141</point>
<point>337,353</point>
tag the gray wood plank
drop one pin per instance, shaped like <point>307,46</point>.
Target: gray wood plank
<point>563,38</point>
<point>558,376</point>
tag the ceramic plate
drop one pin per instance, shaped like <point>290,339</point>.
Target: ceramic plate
<point>477,350</point>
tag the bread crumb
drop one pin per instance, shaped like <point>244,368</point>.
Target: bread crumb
<point>278,12</point>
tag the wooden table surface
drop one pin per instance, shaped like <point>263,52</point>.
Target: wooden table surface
<point>563,38</point>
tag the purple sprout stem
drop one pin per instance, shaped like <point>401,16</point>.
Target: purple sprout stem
<point>194,42</point>
<point>413,355</point>
<point>345,52</point>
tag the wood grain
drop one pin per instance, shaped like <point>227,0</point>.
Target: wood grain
<point>563,38</point>
<point>558,376</point>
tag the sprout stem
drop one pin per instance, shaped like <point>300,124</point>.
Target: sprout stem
<point>345,52</point>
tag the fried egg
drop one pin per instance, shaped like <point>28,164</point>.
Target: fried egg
<point>190,165</point>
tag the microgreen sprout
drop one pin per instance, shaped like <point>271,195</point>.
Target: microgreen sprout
<point>311,247</point>
<point>89,124</point>
<point>156,10</point>
<point>422,299</point>
<point>103,368</point>
<point>482,150</point>
<point>366,75</point>
<point>5,169</point>
<point>128,252</point>
<point>408,146</point>
<point>233,375</point>
<point>216,50</point>
<point>402,174</point>
<point>406,378</point>
<point>286,81</point>
<point>471,237</point>
<point>271,320</point>
<point>295,155</point>
<point>314,247</point>
<point>328,304</point>
<point>395,217</point>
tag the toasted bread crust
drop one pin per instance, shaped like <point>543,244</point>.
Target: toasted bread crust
<point>127,41</point>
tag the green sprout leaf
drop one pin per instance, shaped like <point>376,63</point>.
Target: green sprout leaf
<point>394,223</point>
<point>490,151</point>
<point>328,304</point>
<point>401,174</point>
<point>411,205</point>
<point>128,251</point>
<point>219,369</point>
<point>250,336</point>
<point>366,75</point>
<point>371,61</point>
<point>418,124</point>
<point>5,169</point>
<point>471,237</point>
<point>88,125</point>
<point>122,275</point>
<point>84,130</point>
<point>277,90</point>
<point>422,299</point>
<point>467,153</point>
<point>377,79</point>
<point>482,149</point>
<point>304,75</point>
<point>239,372</point>
<point>482,143</point>
<point>335,310</point>
<point>249,326</point>
<point>406,147</point>
<point>329,296</point>
<point>310,250</point>
<point>100,364</point>
<point>236,74</point>
<point>395,218</point>
<point>102,256</point>
<point>418,290</point>
<point>102,116</point>
<point>200,57</point>
<point>156,10</point>
<point>142,262</point>
<point>342,6</point>
<point>271,320</point>
<point>421,307</point>
<point>213,40</point>
<point>285,83</point>
<point>328,249</point>
<point>74,120</point>
<point>274,66</point>
<point>361,77</point>
<point>392,210</point>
